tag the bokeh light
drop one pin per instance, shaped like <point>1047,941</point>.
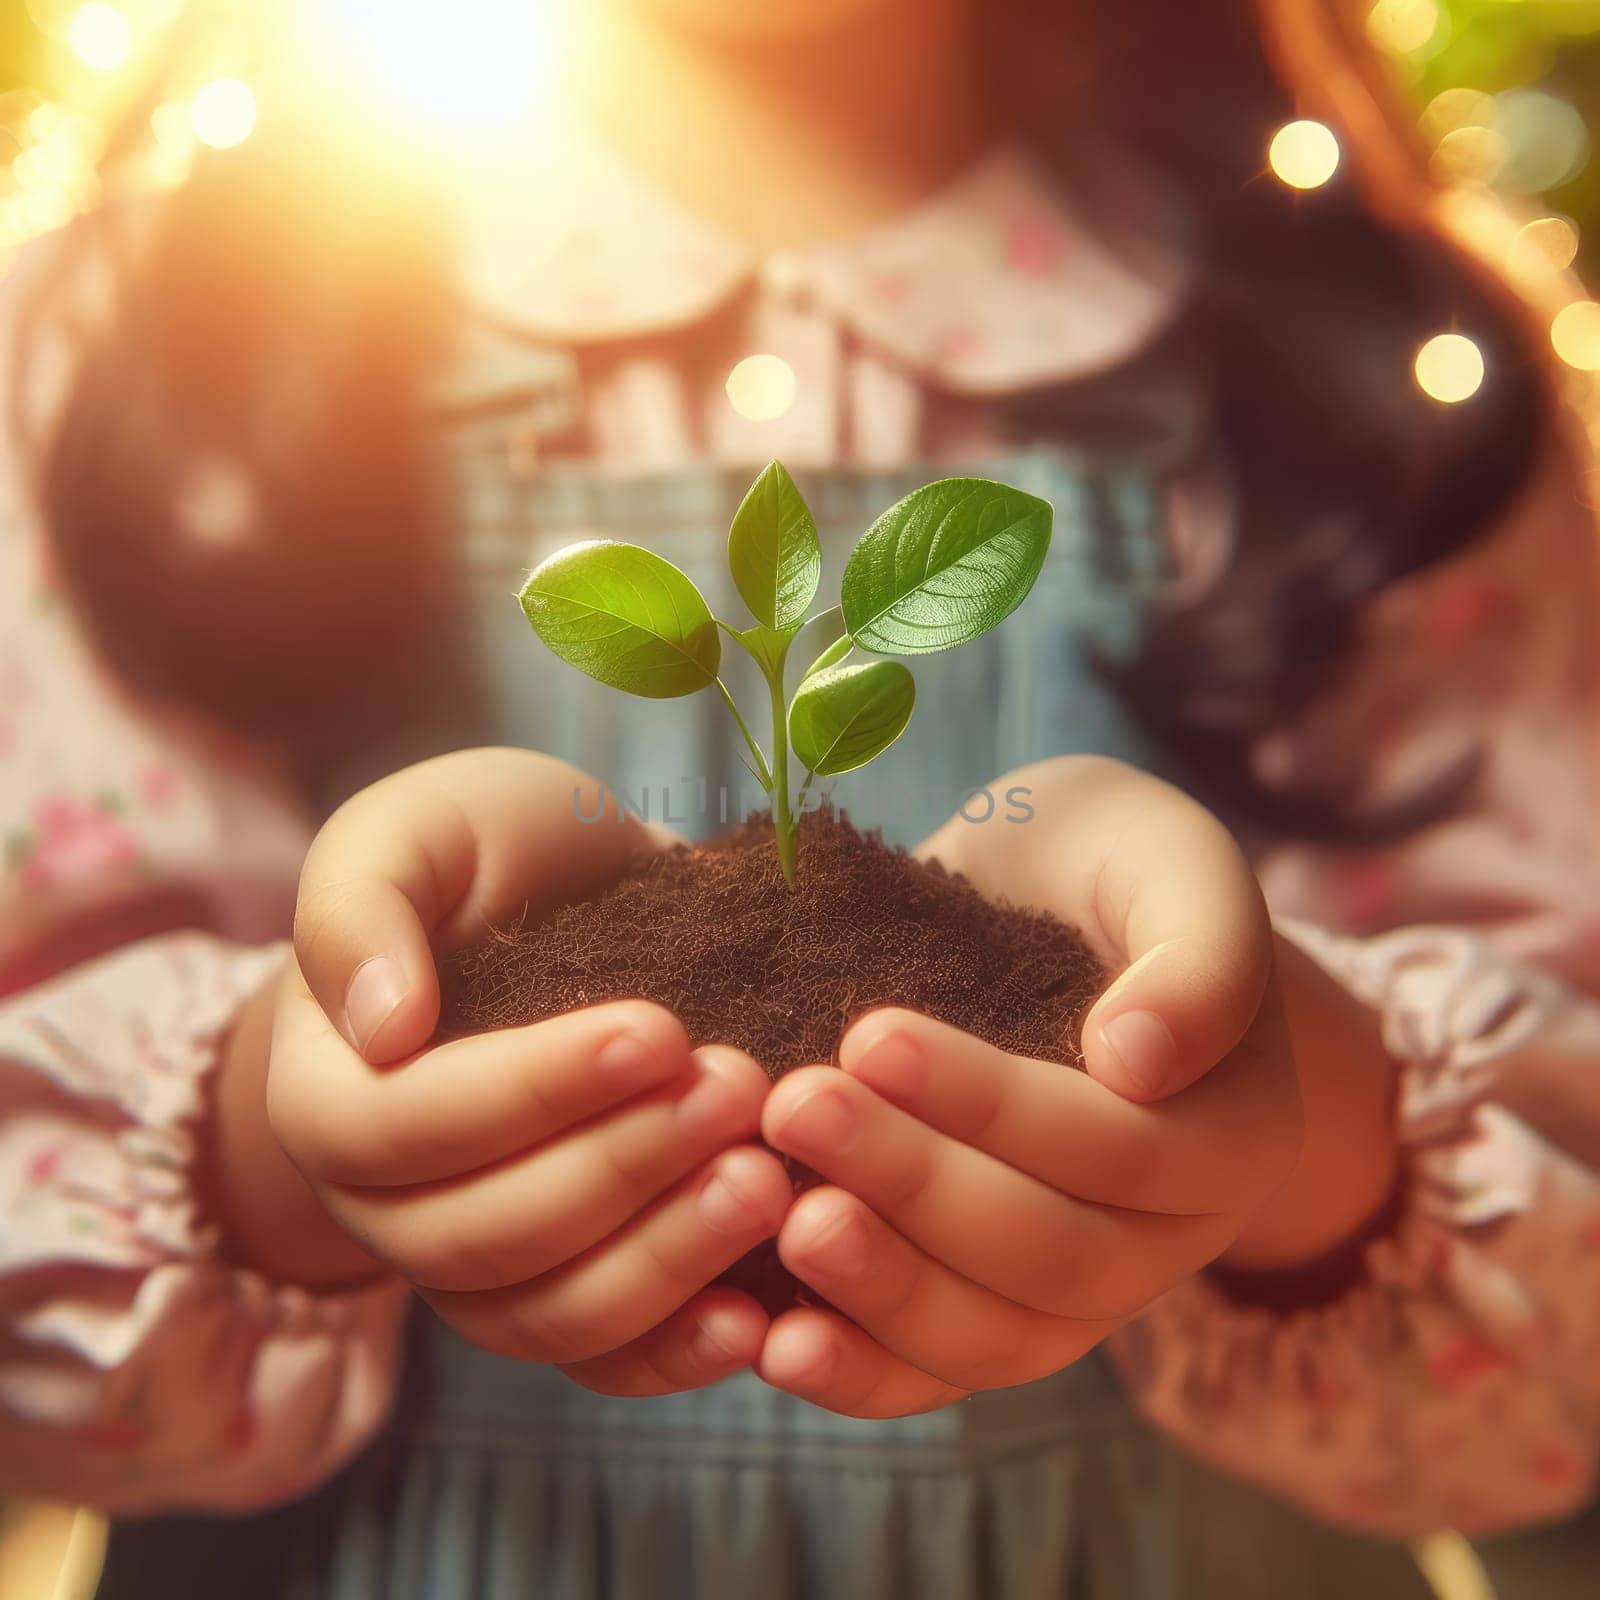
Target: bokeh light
<point>1403,26</point>
<point>1470,154</point>
<point>1547,144</point>
<point>100,36</point>
<point>761,387</point>
<point>1575,335</point>
<point>172,124</point>
<point>1543,246</point>
<point>223,113</point>
<point>1449,368</point>
<point>1456,108</point>
<point>1304,154</point>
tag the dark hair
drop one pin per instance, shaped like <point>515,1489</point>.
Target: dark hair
<point>257,338</point>
<point>1308,313</point>
<point>1343,476</point>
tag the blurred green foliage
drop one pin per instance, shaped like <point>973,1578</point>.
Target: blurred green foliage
<point>1552,45</point>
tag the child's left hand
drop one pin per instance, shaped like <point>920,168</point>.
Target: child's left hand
<point>988,1219</point>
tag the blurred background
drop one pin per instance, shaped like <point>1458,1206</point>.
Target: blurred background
<point>1507,93</point>
<point>1507,102</point>
<point>1506,96</point>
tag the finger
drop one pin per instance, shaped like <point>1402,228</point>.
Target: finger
<point>464,1104</point>
<point>638,1276</point>
<point>817,1356</point>
<point>526,1216</point>
<point>984,1220</point>
<point>1219,1145</point>
<point>421,861</point>
<point>1161,890</point>
<point>719,1332</point>
<point>919,1309</point>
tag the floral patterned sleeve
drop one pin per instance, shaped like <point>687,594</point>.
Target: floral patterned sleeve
<point>1452,1378</point>
<point>147,872</point>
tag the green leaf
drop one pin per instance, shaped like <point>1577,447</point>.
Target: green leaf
<point>625,616</point>
<point>832,656</point>
<point>943,566</point>
<point>767,645</point>
<point>773,551</point>
<point>845,716</point>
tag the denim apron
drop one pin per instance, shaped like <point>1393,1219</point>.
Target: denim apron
<point>500,1481</point>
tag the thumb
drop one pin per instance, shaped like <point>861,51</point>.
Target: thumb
<point>385,870</point>
<point>1199,947</point>
<point>434,853</point>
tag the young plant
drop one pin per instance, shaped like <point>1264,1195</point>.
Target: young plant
<point>936,570</point>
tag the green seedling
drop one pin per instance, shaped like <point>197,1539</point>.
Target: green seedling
<point>936,570</point>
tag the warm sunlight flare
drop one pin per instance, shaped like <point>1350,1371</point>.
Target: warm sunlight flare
<point>101,36</point>
<point>1304,154</point>
<point>1449,367</point>
<point>459,68</point>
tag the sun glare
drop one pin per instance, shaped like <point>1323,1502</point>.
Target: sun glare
<point>465,67</point>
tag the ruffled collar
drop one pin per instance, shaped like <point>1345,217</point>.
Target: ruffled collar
<point>996,283</point>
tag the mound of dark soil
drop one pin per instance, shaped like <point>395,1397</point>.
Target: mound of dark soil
<point>743,958</point>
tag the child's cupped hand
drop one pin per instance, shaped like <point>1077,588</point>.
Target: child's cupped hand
<point>987,1219</point>
<point>569,1192</point>
<point>565,1192</point>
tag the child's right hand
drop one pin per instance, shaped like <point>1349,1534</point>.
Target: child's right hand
<point>563,1192</point>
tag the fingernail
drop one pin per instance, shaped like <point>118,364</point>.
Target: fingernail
<point>710,1110</point>
<point>895,1064</point>
<point>843,1249</point>
<point>724,1210</point>
<point>822,1124</point>
<point>1144,1048</point>
<point>376,989</point>
<point>629,1058</point>
<point>717,1339</point>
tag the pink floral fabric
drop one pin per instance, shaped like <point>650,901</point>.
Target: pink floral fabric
<point>121,1308</point>
<point>1458,1383</point>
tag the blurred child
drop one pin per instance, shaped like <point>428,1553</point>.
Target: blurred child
<point>1326,1193</point>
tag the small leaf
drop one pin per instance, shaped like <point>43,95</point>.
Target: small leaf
<point>943,566</point>
<point>845,716</point>
<point>624,615</point>
<point>832,656</point>
<point>773,550</point>
<point>767,645</point>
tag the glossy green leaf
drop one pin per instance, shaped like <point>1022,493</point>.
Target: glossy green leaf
<point>624,615</point>
<point>943,566</point>
<point>773,551</point>
<point>844,716</point>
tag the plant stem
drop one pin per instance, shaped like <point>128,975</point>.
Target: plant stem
<point>782,818</point>
<point>763,771</point>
